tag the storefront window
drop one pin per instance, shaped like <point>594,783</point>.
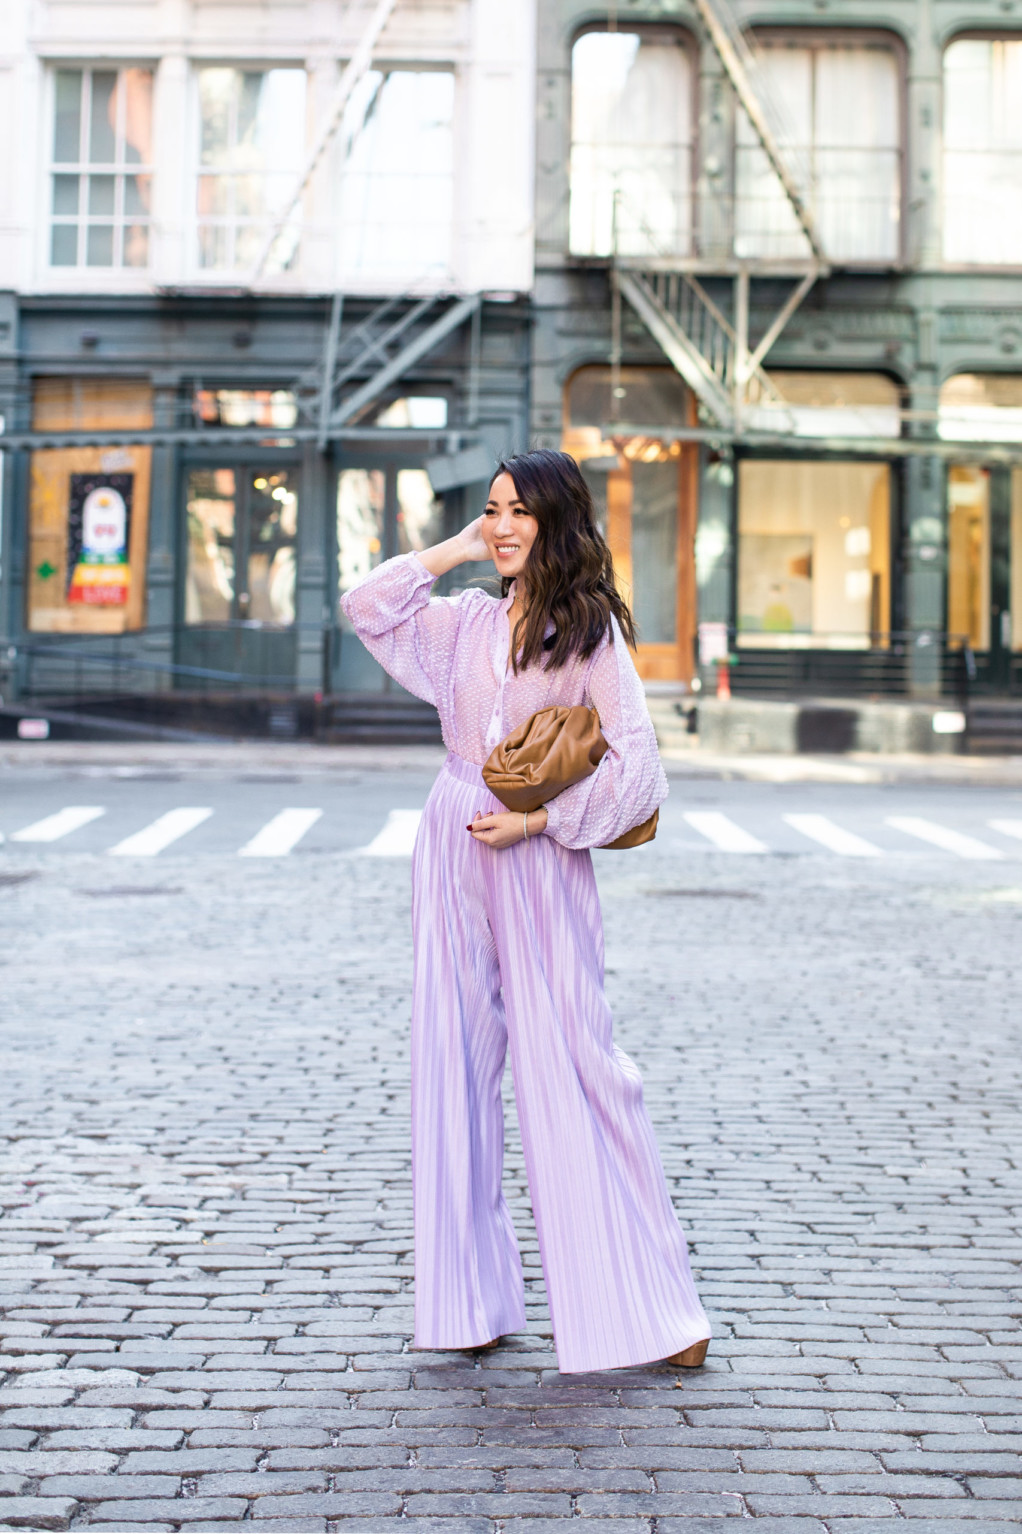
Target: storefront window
<point>819,404</point>
<point>89,509</point>
<point>981,407</point>
<point>968,572</point>
<point>420,515</point>
<point>209,585</point>
<point>242,534</point>
<point>631,144</point>
<point>1016,559</point>
<point>813,554</point>
<point>984,582</point>
<point>360,504</point>
<point>382,512</point>
<point>655,549</point>
<point>619,425</point>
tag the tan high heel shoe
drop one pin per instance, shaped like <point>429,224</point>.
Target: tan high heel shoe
<point>481,1347</point>
<point>690,1358</point>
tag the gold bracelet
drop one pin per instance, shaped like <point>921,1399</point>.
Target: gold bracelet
<point>525,824</point>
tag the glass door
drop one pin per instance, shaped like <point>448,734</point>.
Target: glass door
<point>239,587</point>
<point>382,510</point>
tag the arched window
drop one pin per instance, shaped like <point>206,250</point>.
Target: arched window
<point>631,144</point>
<point>983,151</point>
<point>841,104</point>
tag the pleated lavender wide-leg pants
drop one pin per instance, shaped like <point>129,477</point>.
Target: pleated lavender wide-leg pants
<point>509,951</point>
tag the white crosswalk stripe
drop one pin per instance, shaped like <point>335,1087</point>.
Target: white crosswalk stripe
<point>942,836</point>
<point>161,833</point>
<point>1007,827</point>
<point>280,834</point>
<point>397,838</point>
<point>722,832</point>
<point>823,830</point>
<point>61,824</point>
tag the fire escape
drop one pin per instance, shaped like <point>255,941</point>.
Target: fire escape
<point>711,351</point>
<point>363,359</point>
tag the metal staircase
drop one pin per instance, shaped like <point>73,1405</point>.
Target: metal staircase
<point>711,352</point>
<point>700,343</point>
<point>397,333</point>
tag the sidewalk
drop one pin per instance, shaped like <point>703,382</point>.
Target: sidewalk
<point>310,760</point>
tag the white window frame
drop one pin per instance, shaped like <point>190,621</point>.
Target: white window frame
<point>224,276</point>
<point>118,273</point>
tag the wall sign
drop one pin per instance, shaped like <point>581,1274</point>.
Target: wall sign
<point>98,526</point>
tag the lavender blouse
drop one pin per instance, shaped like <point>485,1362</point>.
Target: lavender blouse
<point>453,651</point>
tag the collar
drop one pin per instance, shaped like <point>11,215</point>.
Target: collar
<point>507,602</point>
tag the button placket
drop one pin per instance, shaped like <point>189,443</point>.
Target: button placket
<point>495,733</point>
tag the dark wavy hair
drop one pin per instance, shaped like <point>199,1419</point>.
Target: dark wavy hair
<point>568,578</point>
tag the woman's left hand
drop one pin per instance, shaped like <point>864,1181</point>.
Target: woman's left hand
<point>506,827</point>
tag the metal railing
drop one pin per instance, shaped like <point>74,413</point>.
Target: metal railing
<point>142,662</point>
<point>896,664</point>
<point>70,670</point>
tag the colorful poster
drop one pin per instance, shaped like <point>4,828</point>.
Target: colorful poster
<point>98,529</point>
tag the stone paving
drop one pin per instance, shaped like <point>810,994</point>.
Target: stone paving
<point>206,1264</point>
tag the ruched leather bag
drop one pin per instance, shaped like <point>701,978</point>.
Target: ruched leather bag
<point>554,748</point>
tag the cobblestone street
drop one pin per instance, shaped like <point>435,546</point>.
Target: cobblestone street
<point>206,1262</point>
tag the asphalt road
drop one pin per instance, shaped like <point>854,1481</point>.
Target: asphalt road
<point>205,1250</point>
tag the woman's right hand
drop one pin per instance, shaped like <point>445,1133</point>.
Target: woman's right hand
<point>469,544</point>
<point>471,541</point>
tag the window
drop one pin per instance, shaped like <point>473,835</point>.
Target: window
<point>397,182</point>
<point>984,579</point>
<point>842,109</point>
<point>245,407</point>
<point>252,141</point>
<point>102,167</point>
<point>88,515</point>
<point>380,512</point>
<point>981,407</point>
<point>813,554</point>
<point>618,425</point>
<point>242,538</point>
<point>824,404</point>
<point>968,555</point>
<point>631,144</point>
<point>983,152</point>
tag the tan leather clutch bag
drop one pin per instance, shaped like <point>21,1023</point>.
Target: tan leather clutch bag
<point>553,749</point>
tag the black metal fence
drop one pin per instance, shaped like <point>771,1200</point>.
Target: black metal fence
<point>238,657</point>
<point>247,658</point>
<point>894,665</point>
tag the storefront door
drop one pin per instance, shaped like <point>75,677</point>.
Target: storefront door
<point>383,509</point>
<point>239,589</point>
<point>984,580</point>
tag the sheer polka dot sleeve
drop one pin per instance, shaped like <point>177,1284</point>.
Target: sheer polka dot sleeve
<point>411,635</point>
<point>629,783</point>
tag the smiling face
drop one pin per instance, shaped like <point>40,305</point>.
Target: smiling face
<point>509,531</point>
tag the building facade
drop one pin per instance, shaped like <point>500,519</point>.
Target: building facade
<point>853,512</point>
<point>264,318</point>
<point>280,281</point>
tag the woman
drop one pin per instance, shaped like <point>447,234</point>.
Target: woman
<point>509,943</point>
